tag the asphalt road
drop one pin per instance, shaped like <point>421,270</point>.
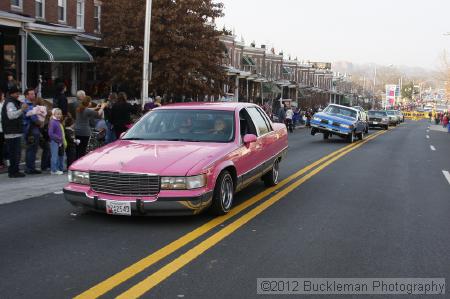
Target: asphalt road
<point>380,209</point>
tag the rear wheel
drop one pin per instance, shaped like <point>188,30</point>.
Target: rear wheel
<point>223,194</point>
<point>271,178</point>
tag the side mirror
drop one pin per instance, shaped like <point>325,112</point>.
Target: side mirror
<point>250,138</point>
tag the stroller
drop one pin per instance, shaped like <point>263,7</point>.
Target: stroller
<point>96,140</point>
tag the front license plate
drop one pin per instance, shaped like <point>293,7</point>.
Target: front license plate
<point>375,123</point>
<point>118,208</point>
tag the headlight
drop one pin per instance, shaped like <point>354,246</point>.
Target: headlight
<point>79,177</point>
<point>317,118</point>
<point>346,126</point>
<point>183,183</point>
<point>385,119</point>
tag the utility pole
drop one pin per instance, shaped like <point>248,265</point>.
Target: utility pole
<point>146,65</point>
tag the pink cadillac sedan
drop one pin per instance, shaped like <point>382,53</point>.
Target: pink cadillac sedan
<point>181,159</point>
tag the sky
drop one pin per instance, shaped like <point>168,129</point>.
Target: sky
<point>386,32</point>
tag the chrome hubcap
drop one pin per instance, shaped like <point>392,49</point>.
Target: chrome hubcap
<point>226,193</point>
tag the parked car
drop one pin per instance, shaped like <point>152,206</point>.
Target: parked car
<point>345,122</point>
<point>394,119</point>
<point>378,119</point>
<point>400,115</point>
<point>181,159</point>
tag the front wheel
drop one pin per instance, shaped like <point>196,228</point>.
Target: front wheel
<point>223,194</point>
<point>271,178</point>
<point>351,137</point>
<point>361,135</point>
<point>386,127</point>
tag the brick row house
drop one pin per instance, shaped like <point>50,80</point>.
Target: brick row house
<point>43,42</point>
<point>258,74</point>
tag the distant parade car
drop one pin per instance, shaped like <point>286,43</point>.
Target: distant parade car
<point>181,159</point>
<point>378,119</point>
<point>345,122</point>
<point>394,118</point>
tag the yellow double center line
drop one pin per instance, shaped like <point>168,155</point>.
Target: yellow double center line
<point>163,273</point>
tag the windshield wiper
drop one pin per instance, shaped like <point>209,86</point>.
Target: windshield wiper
<point>183,139</point>
<point>134,138</point>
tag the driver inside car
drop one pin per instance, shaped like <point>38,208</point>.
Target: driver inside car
<point>220,127</point>
<point>186,125</point>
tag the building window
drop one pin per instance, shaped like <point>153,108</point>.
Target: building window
<point>17,4</point>
<point>97,17</point>
<point>40,11</point>
<point>80,14</point>
<point>62,10</point>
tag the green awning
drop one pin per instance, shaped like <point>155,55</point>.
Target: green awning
<point>246,60</point>
<point>55,48</point>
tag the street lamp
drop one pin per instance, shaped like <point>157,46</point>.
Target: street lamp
<point>146,65</point>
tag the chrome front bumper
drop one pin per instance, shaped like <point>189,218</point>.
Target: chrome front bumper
<point>162,206</point>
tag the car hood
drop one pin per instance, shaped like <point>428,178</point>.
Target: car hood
<point>153,157</point>
<point>336,117</point>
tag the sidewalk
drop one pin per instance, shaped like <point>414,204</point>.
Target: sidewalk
<point>438,128</point>
<point>12,190</point>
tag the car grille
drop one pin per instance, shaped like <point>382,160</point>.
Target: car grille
<point>375,119</point>
<point>126,184</point>
<point>324,121</point>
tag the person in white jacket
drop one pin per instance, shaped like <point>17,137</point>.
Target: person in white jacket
<point>289,116</point>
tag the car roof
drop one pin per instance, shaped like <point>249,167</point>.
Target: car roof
<point>228,106</point>
<point>336,105</point>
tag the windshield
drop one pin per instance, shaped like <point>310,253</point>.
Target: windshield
<point>340,110</point>
<point>377,113</point>
<point>185,125</point>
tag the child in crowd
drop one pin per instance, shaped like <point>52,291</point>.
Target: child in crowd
<point>72,142</point>
<point>57,142</point>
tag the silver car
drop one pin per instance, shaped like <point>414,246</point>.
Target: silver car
<point>394,119</point>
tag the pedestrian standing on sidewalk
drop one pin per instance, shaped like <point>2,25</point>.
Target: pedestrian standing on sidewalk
<point>2,136</point>
<point>81,95</point>
<point>82,123</point>
<point>57,142</point>
<point>110,135</point>
<point>282,114</point>
<point>71,149</point>
<point>121,114</point>
<point>45,145</point>
<point>9,83</point>
<point>445,120</point>
<point>60,99</point>
<point>32,134</point>
<point>12,122</point>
